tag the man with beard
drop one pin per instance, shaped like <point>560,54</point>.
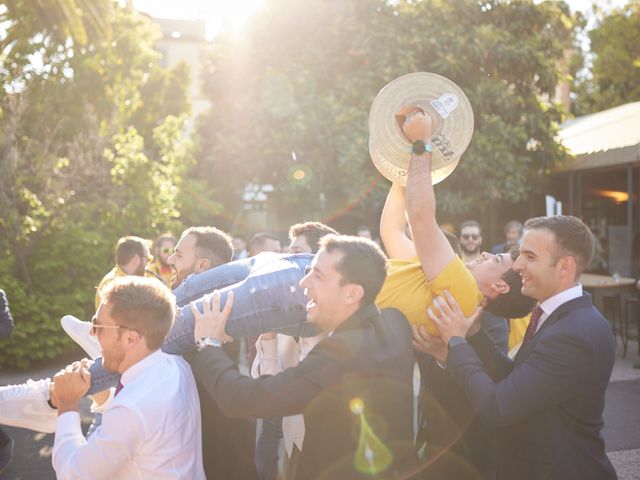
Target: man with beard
<point>470,241</point>
<point>228,444</point>
<point>151,429</point>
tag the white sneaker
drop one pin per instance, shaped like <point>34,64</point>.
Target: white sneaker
<point>26,406</point>
<point>81,333</point>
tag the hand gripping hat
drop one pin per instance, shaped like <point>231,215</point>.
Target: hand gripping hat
<point>452,120</point>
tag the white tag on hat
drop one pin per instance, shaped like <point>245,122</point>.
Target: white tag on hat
<point>446,104</point>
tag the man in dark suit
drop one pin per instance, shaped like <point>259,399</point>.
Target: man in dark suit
<point>547,403</point>
<point>354,388</point>
<point>228,444</point>
<point>457,445</point>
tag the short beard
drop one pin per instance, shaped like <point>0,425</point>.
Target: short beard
<point>465,250</point>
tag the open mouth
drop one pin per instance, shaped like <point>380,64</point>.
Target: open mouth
<point>311,304</point>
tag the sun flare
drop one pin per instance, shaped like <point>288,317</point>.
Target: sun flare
<point>229,15</point>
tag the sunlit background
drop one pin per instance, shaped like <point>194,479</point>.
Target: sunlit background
<point>218,14</point>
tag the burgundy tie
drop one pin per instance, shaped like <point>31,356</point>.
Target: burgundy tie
<point>533,325</point>
<point>118,388</point>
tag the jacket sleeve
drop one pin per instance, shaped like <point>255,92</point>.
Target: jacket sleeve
<point>556,368</point>
<point>286,393</point>
<point>497,364</point>
<point>6,320</point>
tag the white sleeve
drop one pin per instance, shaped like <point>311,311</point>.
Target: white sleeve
<point>266,361</point>
<point>308,343</point>
<point>95,408</point>
<point>111,446</point>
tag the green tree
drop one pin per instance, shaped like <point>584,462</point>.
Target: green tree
<point>291,99</point>
<point>92,148</point>
<point>614,76</point>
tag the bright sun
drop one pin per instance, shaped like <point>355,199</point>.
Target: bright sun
<point>219,14</point>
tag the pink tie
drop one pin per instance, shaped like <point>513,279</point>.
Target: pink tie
<point>533,325</point>
<point>118,388</point>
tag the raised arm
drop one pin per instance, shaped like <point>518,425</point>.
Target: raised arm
<point>432,246</point>
<point>393,226</point>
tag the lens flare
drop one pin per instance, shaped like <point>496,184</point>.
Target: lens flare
<point>372,456</point>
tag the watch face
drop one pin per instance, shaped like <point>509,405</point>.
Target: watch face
<point>418,147</point>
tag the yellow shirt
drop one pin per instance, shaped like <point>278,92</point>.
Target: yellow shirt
<point>116,272</point>
<point>407,289</point>
<point>517,329</point>
<point>162,273</point>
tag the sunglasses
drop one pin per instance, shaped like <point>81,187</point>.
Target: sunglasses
<point>95,326</point>
<point>472,236</point>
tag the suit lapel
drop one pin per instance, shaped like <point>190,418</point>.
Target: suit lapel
<point>556,316</point>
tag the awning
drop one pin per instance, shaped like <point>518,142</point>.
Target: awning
<point>604,139</point>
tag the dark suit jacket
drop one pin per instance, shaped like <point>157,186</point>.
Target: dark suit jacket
<point>369,357</point>
<point>458,445</point>
<point>228,444</point>
<point>547,404</point>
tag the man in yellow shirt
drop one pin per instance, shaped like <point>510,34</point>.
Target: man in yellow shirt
<point>423,268</point>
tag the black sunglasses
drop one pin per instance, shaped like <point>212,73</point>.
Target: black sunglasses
<point>472,236</point>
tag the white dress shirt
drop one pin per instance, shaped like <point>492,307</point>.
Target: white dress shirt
<point>150,430</point>
<point>552,303</point>
<point>272,357</point>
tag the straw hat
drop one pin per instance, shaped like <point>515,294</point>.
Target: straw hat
<point>452,118</point>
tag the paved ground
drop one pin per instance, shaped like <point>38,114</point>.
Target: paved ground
<point>32,454</point>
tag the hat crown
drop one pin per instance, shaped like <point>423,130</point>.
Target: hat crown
<point>449,109</point>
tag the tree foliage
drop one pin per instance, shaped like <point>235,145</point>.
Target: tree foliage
<point>614,78</point>
<point>292,95</point>
<point>92,148</point>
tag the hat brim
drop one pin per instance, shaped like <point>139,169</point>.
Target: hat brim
<point>389,148</point>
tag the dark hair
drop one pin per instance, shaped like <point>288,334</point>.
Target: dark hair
<point>259,239</point>
<point>363,263</point>
<point>510,225</point>
<point>141,304</point>
<point>572,236</point>
<point>163,238</point>
<point>512,304</point>
<point>129,247</point>
<point>211,243</point>
<point>312,231</point>
<point>470,223</point>
<point>454,242</point>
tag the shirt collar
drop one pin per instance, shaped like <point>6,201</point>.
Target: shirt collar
<point>137,368</point>
<point>552,303</point>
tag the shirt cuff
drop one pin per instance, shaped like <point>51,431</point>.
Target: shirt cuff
<point>95,408</point>
<point>68,422</point>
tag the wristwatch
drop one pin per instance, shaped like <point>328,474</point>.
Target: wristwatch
<point>455,341</point>
<point>419,147</point>
<point>208,342</point>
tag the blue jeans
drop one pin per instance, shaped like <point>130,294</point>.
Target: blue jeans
<point>267,448</point>
<point>267,297</point>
